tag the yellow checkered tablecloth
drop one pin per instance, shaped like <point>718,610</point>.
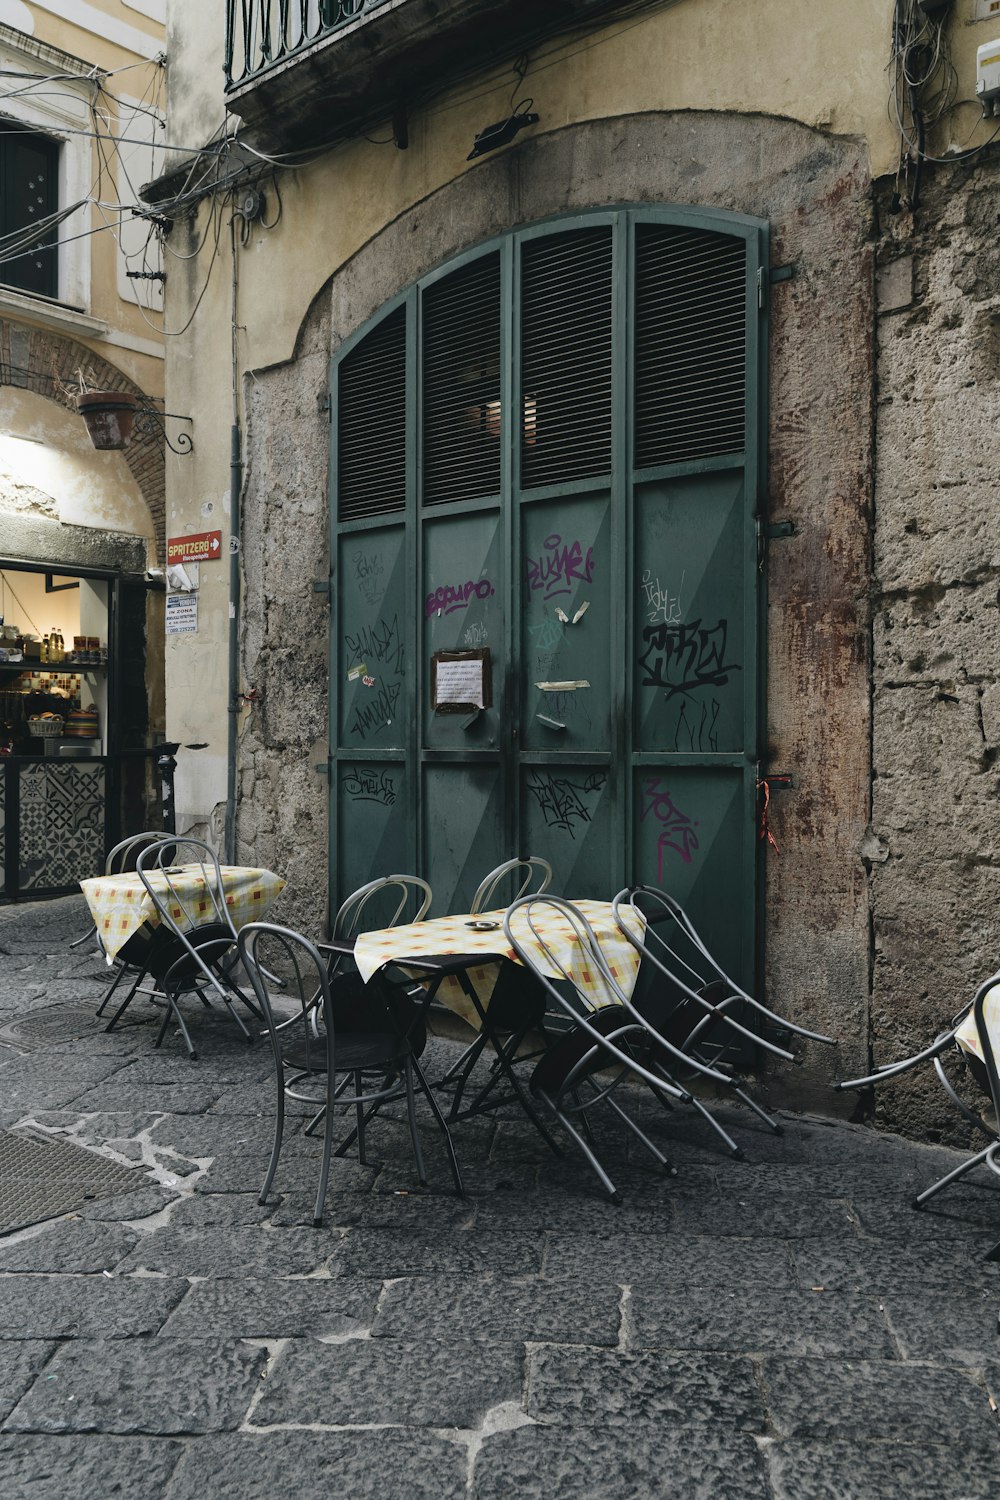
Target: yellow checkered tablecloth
<point>967,1036</point>
<point>446,935</point>
<point>120,904</point>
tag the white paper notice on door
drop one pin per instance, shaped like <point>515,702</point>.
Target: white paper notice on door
<point>460,680</point>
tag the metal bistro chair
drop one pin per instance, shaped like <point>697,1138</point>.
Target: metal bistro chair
<point>599,1040</point>
<point>386,1050</point>
<point>971,1025</point>
<point>689,1008</point>
<point>517,1003</point>
<point>133,956</point>
<point>190,959</point>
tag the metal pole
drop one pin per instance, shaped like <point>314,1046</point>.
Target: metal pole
<point>235,530</point>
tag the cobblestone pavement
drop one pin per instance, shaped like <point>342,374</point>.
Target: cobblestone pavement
<point>785,1327</point>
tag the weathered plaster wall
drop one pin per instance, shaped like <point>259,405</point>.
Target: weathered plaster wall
<point>936,794</point>
<point>814,190</point>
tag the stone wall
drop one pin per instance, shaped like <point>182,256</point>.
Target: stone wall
<point>936,790</point>
<point>814,190</point>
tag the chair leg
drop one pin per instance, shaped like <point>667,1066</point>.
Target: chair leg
<point>79,942</point>
<point>411,1115</point>
<point>111,989</point>
<point>173,1009</point>
<point>360,1111</point>
<point>761,1114</point>
<point>736,1152</point>
<point>654,1151</point>
<point>324,1174</point>
<point>279,1131</point>
<point>967,1166</point>
<point>428,1093</point>
<point>125,1003</point>
<point>575,1135</point>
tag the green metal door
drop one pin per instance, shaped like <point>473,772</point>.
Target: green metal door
<point>547,458</point>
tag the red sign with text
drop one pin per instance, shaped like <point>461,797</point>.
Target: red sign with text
<point>204,546</point>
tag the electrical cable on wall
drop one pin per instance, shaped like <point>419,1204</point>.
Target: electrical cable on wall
<point>924,92</point>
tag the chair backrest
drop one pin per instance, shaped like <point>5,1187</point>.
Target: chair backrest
<point>673,945</point>
<point>161,867</point>
<point>368,904</point>
<point>534,867</point>
<point>265,947</point>
<point>123,856</point>
<point>525,923</point>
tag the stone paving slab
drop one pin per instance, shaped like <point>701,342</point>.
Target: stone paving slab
<point>386,1464</point>
<point>888,1471</point>
<point>314,1307</point>
<point>677,1259</point>
<point>893,1402</point>
<point>20,1364</point>
<point>501,1309</point>
<point>86,1468</point>
<point>937,1328</point>
<point>451,1383</point>
<point>65,1307</point>
<point>70,1245</point>
<point>779,1321</point>
<point>618,1390</point>
<point>160,1386</point>
<point>580,1464</point>
<point>240,1250</point>
<point>390,1253</point>
<point>866,1265</point>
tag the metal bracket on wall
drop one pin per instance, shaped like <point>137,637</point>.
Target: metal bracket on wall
<point>779,528</point>
<point>322,768</point>
<point>322,586</point>
<point>767,278</point>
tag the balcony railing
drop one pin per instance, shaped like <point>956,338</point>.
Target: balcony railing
<point>262,33</point>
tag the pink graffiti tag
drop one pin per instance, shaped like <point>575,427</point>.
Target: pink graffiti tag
<point>560,565</point>
<point>677,832</point>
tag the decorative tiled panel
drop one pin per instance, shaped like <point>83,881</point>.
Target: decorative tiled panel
<point>61,825</point>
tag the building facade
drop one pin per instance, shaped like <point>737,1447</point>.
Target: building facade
<point>598,408</point>
<point>82,531</point>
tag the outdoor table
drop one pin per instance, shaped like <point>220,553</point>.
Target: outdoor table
<point>121,905</point>
<point>474,945</point>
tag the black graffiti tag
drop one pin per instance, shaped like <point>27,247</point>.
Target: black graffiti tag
<point>372,713</point>
<point>681,658</point>
<point>560,801</point>
<point>381,642</point>
<point>364,784</point>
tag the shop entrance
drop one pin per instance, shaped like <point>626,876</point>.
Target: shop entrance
<point>72,697</point>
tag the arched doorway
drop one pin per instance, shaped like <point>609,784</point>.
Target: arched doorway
<point>546,470</point>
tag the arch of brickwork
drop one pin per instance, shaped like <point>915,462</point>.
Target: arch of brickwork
<point>39,360</point>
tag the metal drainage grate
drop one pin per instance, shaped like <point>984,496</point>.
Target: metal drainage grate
<point>37,1029</point>
<point>42,1177</point>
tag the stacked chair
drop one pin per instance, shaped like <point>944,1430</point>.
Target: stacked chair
<point>971,1035</point>
<point>694,1012</point>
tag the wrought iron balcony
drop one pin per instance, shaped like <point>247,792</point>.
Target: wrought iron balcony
<point>263,33</point>
<point>304,73</point>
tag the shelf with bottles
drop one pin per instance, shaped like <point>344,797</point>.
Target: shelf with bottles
<point>35,667</point>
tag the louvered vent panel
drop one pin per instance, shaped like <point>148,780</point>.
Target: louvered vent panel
<point>690,350</point>
<point>461,389</point>
<point>566,357</point>
<point>371,423</point>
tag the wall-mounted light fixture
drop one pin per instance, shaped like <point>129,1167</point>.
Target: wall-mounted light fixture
<point>502,132</point>
<point>113,416</point>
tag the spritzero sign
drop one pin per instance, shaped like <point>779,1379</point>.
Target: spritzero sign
<point>204,546</point>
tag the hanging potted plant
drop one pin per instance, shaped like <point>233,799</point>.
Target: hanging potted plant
<point>109,415</point>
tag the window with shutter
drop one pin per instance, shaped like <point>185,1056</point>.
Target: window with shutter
<point>566,356</point>
<point>371,423</point>
<point>690,344</point>
<point>461,384</point>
